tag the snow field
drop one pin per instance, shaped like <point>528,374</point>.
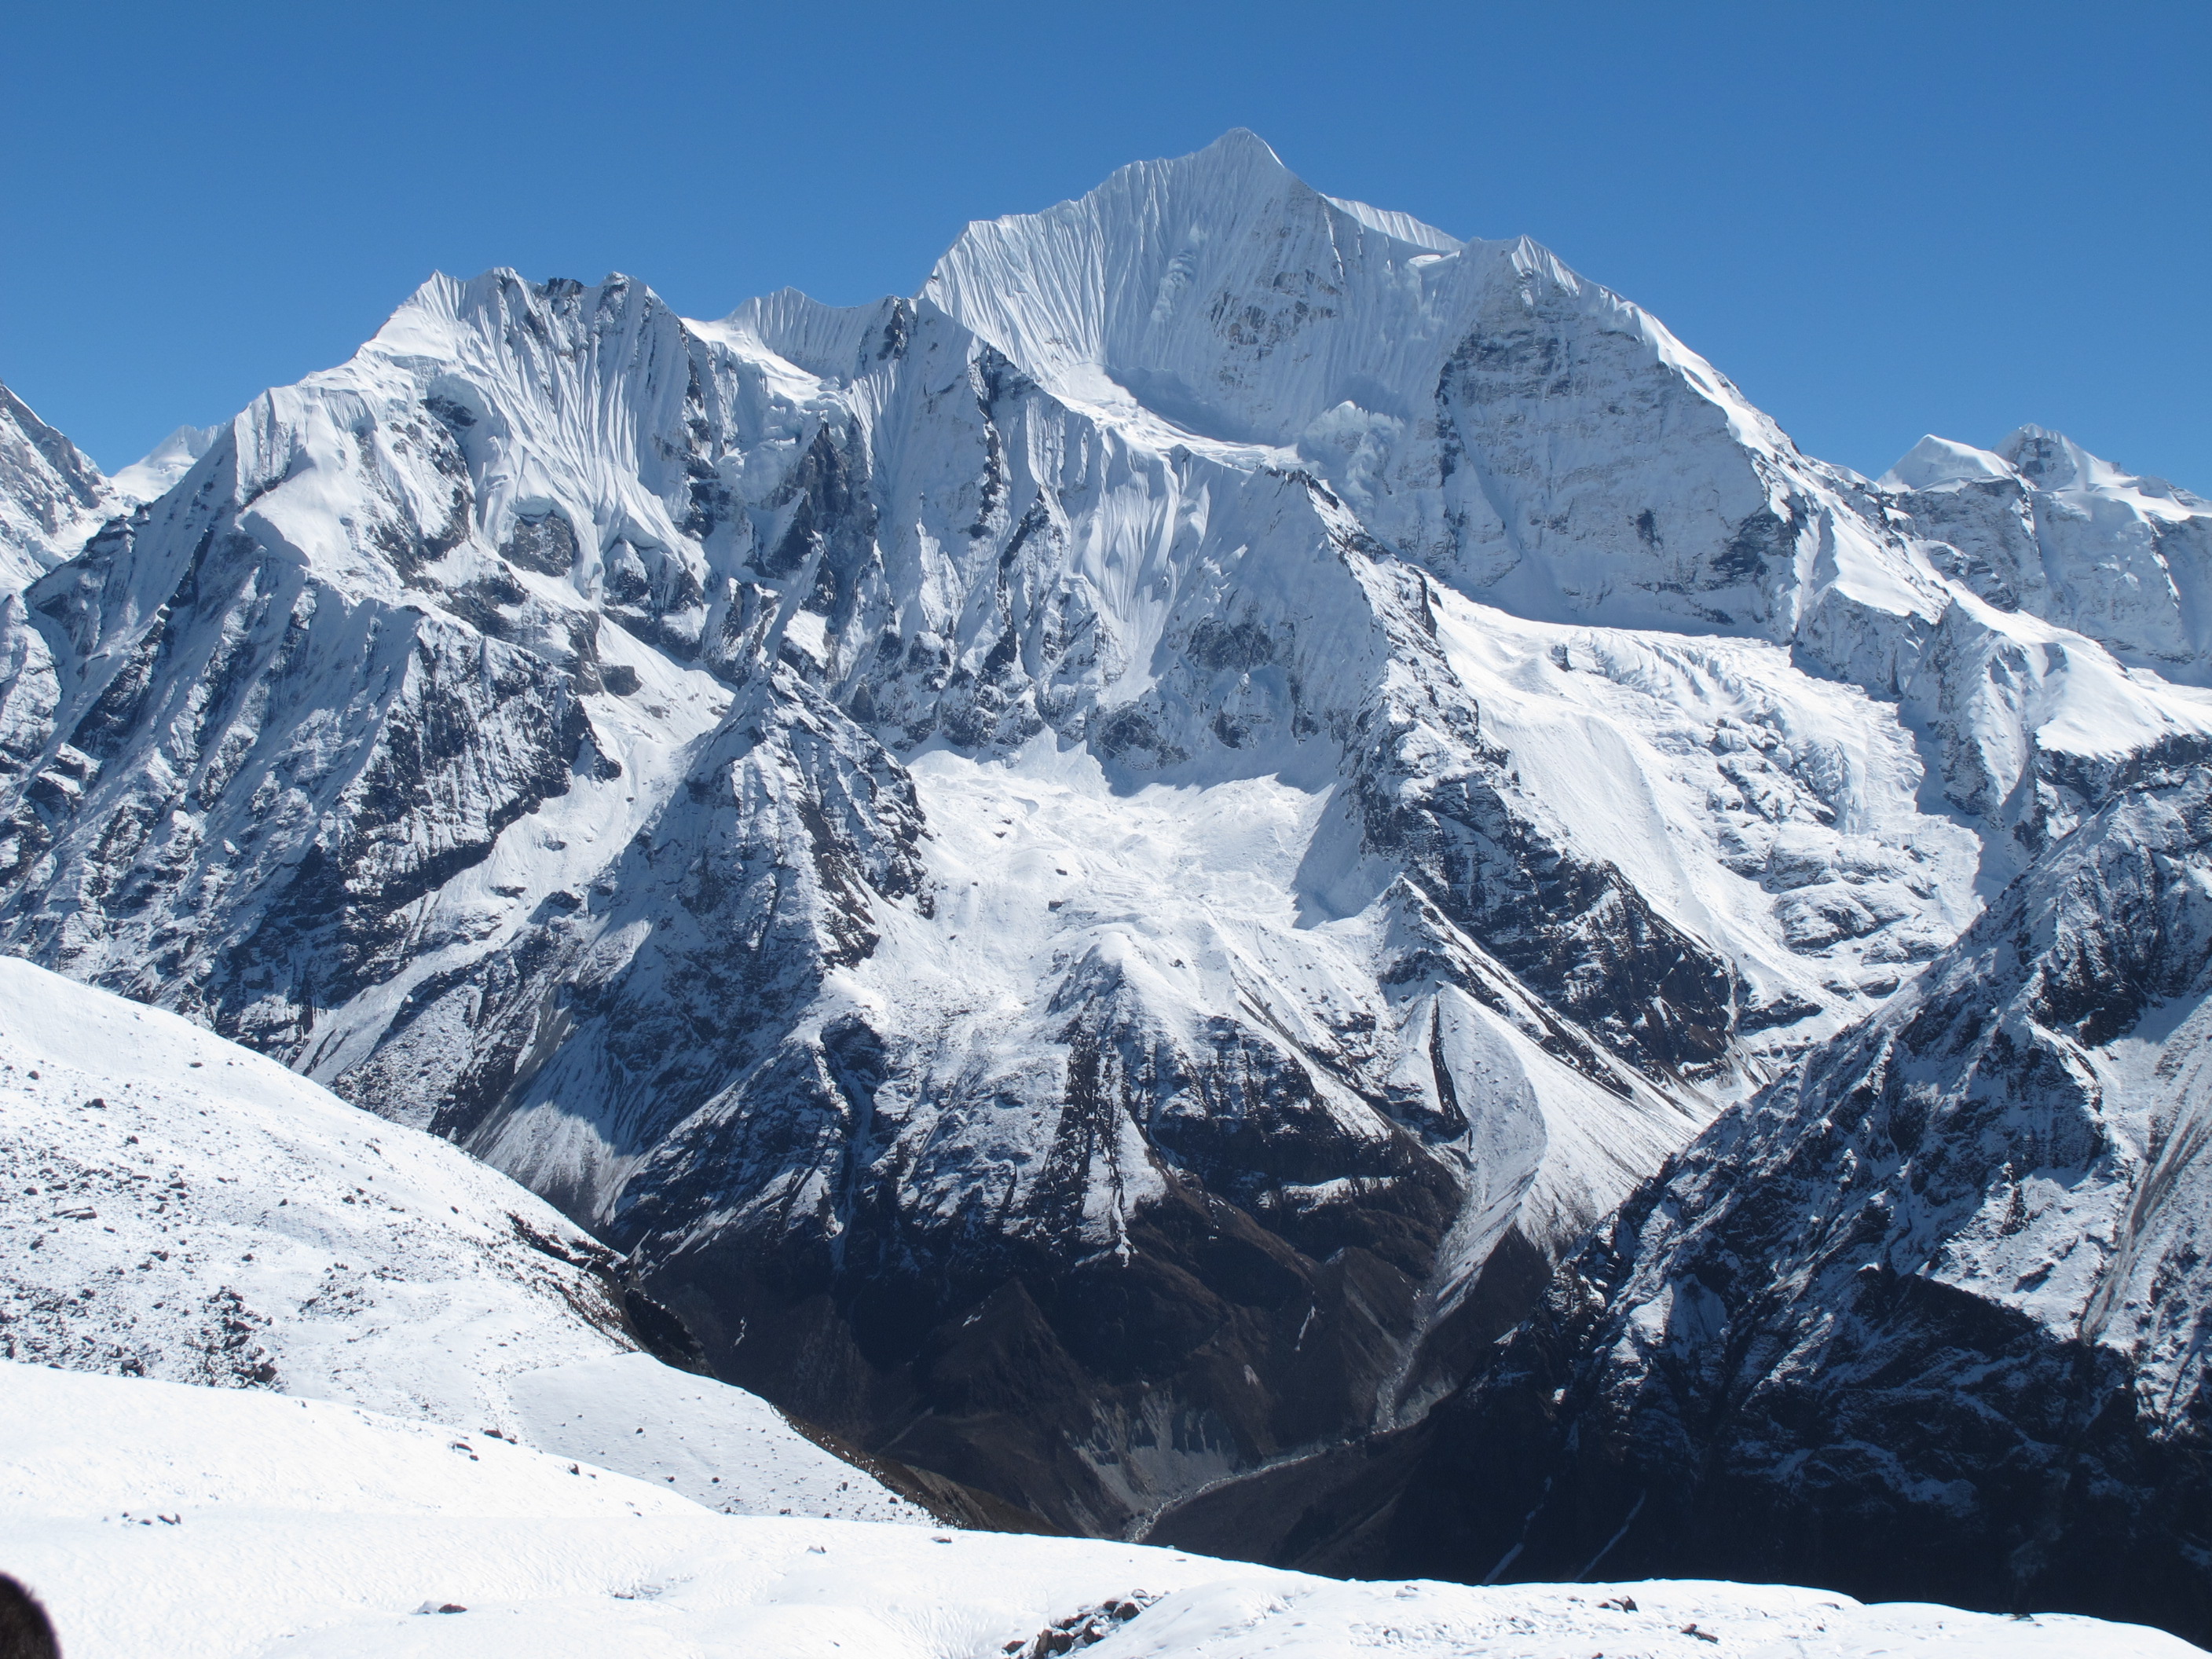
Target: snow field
<point>1773,814</point>
<point>204,1523</point>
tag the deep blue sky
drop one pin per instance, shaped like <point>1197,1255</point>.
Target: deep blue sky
<point>1879,219</point>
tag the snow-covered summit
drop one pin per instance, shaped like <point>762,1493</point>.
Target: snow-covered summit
<point>1935,462</point>
<point>2051,460</point>
<point>153,474</point>
<point>1217,291</point>
<point>2047,460</point>
<point>2041,526</point>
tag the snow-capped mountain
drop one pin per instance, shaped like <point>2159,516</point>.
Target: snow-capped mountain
<point>51,495</point>
<point>2042,525</point>
<point>201,1524</point>
<point>1094,874</point>
<point>176,1206</point>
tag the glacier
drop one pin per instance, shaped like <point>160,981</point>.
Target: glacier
<point>1096,875</point>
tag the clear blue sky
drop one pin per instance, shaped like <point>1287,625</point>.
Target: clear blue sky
<point>1879,219</point>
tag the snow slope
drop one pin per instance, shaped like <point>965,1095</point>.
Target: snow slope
<point>152,1518</point>
<point>175,1206</point>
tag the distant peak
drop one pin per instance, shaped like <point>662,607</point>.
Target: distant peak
<point>2051,460</point>
<point>1934,462</point>
<point>152,474</point>
<point>2036,455</point>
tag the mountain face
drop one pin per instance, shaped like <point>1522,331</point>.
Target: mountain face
<point>1097,874</point>
<point>1927,1317</point>
<point>2041,525</point>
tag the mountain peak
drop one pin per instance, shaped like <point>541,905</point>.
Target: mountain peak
<point>150,475</point>
<point>2035,455</point>
<point>1242,144</point>
<point>1934,462</point>
<point>1217,291</point>
<point>2051,460</point>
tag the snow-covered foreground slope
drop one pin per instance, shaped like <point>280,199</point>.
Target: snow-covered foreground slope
<point>154,1518</point>
<point>172,1205</point>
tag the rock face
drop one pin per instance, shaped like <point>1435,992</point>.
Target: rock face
<point>1096,873</point>
<point>1927,1317</point>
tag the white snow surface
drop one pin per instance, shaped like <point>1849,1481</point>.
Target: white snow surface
<point>176,1206</point>
<point>1768,811</point>
<point>152,1517</point>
